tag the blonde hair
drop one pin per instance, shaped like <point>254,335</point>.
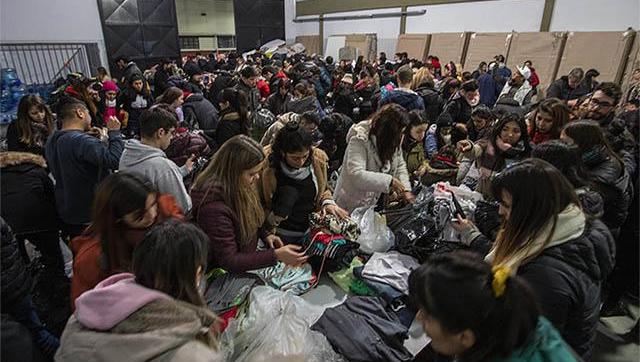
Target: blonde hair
<point>423,74</point>
<point>238,154</point>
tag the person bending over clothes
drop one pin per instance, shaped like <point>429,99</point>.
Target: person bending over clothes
<point>308,120</point>
<point>294,183</point>
<point>547,240</point>
<point>226,205</point>
<point>154,313</point>
<point>491,314</point>
<point>373,162</point>
<point>125,207</point>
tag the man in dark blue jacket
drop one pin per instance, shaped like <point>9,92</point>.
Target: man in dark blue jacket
<point>403,95</point>
<point>78,162</point>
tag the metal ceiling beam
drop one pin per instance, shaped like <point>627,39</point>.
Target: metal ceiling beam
<point>317,7</point>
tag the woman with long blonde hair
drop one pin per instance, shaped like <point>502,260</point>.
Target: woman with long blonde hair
<point>227,207</point>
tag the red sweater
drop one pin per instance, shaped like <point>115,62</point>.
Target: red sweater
<point>87,251</point>
<point>263,87</point>
<point>221,224</point>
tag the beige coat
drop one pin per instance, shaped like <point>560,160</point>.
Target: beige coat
<point>161,331</point>
<point>363,176</point>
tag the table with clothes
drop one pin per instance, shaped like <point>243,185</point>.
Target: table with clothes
<point>344,304</point>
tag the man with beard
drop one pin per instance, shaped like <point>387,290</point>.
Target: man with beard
<point>601,108</point>
<point>78,162</point>
<point>518,88</point>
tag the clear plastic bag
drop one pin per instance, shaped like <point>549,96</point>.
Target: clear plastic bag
<point>375,236</point>
<point>277,328</point>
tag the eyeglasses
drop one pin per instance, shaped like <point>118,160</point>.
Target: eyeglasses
<point>600,103</point>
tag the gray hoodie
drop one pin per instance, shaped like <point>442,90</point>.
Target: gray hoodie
<point>152,162</point>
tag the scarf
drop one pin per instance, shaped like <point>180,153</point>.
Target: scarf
<point>539,137</point>
<point>570,225</point>
<point>297,174</point>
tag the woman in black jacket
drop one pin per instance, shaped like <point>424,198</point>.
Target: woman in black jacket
<point>234,115</point>
<point>28,205</point>
<point>548,241</point>
<point>34,125</point>
<point>604,168</point>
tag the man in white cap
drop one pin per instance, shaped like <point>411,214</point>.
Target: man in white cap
<point>518,88</point>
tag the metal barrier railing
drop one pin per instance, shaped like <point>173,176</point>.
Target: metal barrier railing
<point>43,63</point>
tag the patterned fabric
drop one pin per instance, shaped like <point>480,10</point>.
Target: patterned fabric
<point>333,225</point>
<point>287,279</point>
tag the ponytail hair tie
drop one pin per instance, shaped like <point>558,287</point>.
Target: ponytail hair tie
<point>499,283</point>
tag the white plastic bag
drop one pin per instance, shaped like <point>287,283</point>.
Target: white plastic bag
<point>276,328</point>
<point>376,235</point>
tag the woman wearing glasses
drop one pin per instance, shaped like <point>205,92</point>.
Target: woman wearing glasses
<point>294,183</point>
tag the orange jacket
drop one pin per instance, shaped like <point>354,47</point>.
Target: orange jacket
<point>87,251</point>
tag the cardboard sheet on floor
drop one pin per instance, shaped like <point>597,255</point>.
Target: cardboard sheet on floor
<point>416,45</point>
<point>334,43</point>
<point>447,47</point>
<point>310,42</point>
<point>484,46</point>
<point>602,50</point>
<point>542,48</point>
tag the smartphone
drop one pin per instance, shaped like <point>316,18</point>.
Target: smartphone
<point>459,210</point>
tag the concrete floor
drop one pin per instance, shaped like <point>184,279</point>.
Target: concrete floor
<point>610,347</point>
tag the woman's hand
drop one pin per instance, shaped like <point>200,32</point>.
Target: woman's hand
<point>464,145</point>
<point>291,255</point>
<point>335,210</point>
<point>462,225</point>
<point>409,197</point>
<point>274,241</point>
<point>396,187</point>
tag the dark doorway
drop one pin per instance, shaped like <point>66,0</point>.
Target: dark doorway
<point>143,30</point>
<point>258,22</point>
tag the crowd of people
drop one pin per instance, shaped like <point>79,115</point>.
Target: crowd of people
<point>154,178</point>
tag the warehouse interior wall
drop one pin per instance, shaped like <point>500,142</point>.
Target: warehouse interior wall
<point>480,16</point>
<point>52,23</point>
<point>217,21</point>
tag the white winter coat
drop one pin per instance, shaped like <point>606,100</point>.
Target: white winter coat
<point>363,177</point>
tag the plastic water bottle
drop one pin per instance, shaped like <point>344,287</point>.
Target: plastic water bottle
<point>8,77</point>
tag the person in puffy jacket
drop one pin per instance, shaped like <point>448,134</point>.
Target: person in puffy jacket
<point>28,205</point>
<point>547,240</point>
<point>226,205</point>
<point>403,95</point>
<point>604,168</point>
<point>463,102</point>
<point>491,314</point>
<point>304,100</point>
<point>567,159</point>
<point>277,102</point>
<point>125,207</point>
<point>248,84</point>
<point>566,87</point>
<point>373,161</point>
<point>200,114</point>
<point>159,315</point>
<point>433,102</point>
